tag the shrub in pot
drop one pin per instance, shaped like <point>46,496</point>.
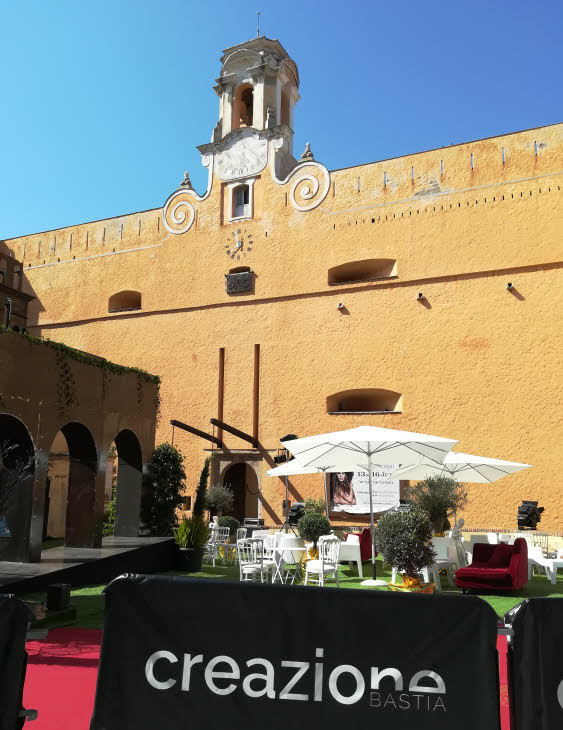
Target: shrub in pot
<point>190,537</point>
<point>312,526</point>
<point>403,538</point>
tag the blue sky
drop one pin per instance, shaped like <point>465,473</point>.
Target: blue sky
<point>104,103</point>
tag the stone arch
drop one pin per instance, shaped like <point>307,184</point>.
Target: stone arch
<point>129,483</point>
<point>364,400</point>
<point>242,478</point>
<point>80,528</point>
<point>124,301</point>
<point>243,106</point>
<point>17,467</point>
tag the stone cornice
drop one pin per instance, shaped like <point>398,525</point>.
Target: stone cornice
<point>212,148</point>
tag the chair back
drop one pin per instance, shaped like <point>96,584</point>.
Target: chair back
<point>223,534</point>
<point>241,533</point>
<point>492,537</point>
<point>538,539</point>
<point>250,551</point>
<point>352,539</point>
<point>329,549</point>
<point>269,543</point>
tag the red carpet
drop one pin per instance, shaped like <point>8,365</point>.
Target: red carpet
<point>62,671</point>
<point>61,678</point>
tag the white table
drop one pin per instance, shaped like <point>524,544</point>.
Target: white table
<point>288,553</point>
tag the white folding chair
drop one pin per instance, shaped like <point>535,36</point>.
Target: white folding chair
<point>241,535</point>
<point>251,560</point>
<point>316,571</point>
<point>223,542</point>
<point>211,548</point>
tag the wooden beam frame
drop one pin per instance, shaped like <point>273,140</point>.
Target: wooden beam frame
<point>197,432</point>
<point>240,434</point>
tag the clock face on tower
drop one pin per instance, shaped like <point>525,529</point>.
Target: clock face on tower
<point>246,154</point>
<point>238,244</point>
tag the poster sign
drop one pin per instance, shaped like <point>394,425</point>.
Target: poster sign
<point>349,491</point>
<point>536,664</point>
<point>192,654</point>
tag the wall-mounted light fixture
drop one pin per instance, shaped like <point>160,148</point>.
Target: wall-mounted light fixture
<point>340,305</point>
<point>510,286</point>
<point>420,296</point>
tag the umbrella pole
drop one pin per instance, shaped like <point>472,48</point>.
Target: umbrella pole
<point>326,494</point>
<point>286,507</point>
<point>373,581</point>
<point>371,526</point>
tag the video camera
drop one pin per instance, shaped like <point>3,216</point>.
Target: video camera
<point>296,512</point>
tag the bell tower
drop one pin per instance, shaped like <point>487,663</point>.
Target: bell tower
<point>257,88</point>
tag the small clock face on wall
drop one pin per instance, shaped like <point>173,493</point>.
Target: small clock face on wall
<point>239,244</point>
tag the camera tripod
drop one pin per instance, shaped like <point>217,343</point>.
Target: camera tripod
<point>287,527</point>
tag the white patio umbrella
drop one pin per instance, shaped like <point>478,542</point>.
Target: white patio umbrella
<point>365,447</point>
<point>462,467</point>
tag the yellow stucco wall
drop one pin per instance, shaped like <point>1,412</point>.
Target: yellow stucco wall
<point>472,361</point>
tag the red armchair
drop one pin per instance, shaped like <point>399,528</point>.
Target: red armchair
<point>499,567</point>
<point>365,544</point>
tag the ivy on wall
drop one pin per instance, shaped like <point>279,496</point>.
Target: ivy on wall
<point>66,385</point>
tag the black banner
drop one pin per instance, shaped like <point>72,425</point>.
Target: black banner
<point>14,618</point>
<point>192,654</point>
<point>536,664</point>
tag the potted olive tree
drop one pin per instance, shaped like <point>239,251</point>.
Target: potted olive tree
<point>439,497</point>
<point>311,526</point>
<point>219,499</point>
<point>403,538</point>
<point>190,537</point>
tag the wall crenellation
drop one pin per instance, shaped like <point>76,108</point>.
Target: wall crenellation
<point>462,170</point>
<point>453,206</point>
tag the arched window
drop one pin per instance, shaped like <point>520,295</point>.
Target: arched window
<point>364,400</point>
<point>124,301</point>
<point>243,104</point>
<point>241,202</point>
<point>365,270</point>
<point>285,107</point>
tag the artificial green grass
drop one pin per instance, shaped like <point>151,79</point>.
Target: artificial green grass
<point>89,602</point>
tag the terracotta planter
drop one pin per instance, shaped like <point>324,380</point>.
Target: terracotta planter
<point>421,588</point>
<point>189,560</point>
